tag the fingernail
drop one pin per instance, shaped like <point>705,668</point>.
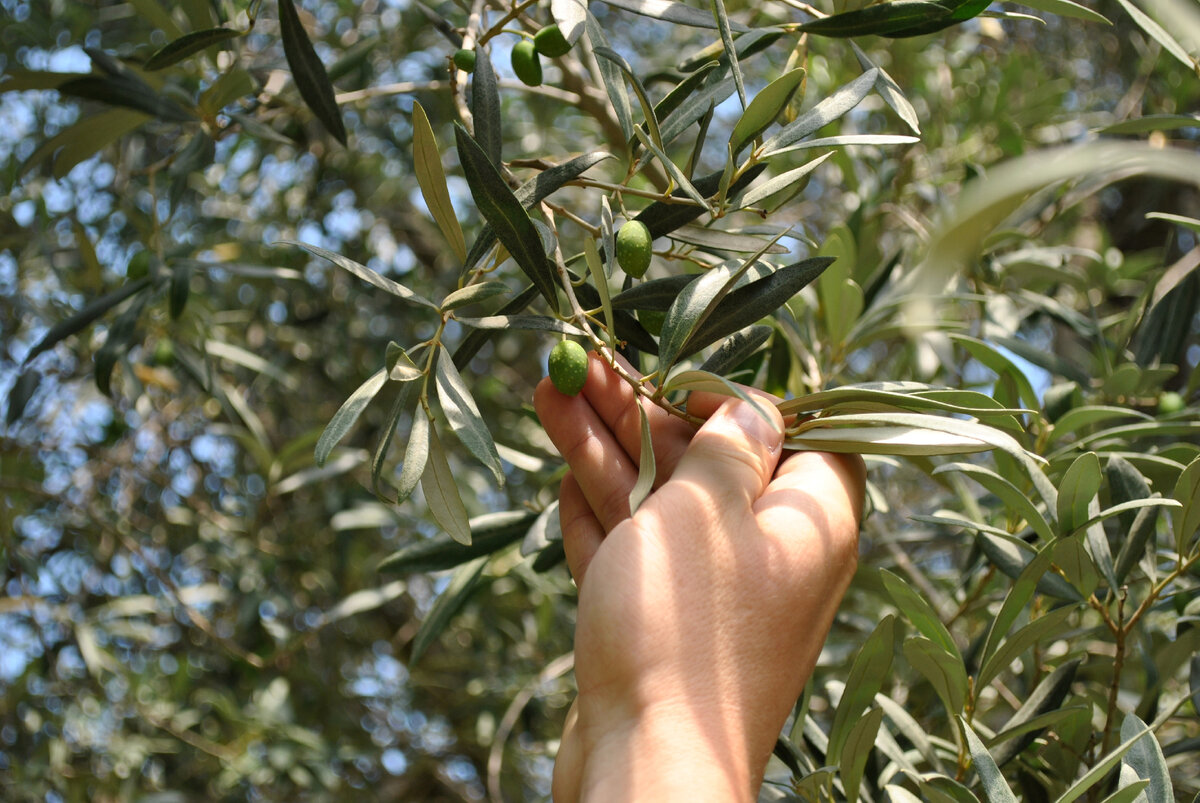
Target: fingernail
<point>757,425</point>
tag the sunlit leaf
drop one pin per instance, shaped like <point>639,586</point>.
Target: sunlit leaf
<point>363,272</point>
<point>427,164</point>
<point>441,492</point>
<point>995,788</point>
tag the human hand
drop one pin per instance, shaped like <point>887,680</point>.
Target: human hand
<point>701,616</point>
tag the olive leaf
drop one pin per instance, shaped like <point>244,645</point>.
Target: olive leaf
<point>427,164</point>
<point>308,72</point>
<point>187,45</point>
<point>348,413</point>
<point>504,212</point>
<point>463,415</point>
<point>490,533</point>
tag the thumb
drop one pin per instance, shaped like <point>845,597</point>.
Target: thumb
<point>735,453</point>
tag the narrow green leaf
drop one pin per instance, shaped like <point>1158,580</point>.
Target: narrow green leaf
<point>379,456</point>
<point>427,164</point>
<point>441,492</point>
<point>1077,489</point>
<point>181,280</point>
<point>490,533</point>
<point>884,18</point>
<point>865,679</point>
<point>640,91</point>
<point>765,107</point>
<point>1144,125</point>
<point>542,323</point>
<point>84,139</point>
<point>473,294</point>
<point>1187,493</point>
<point>600,280</point>
<point>129,92</point>
<point>795,178</point>
<point>963,430</point>
<point>1145,761</point>
<point>920,613</point>
<point>856,751</point>
<point>895,440</point>
<point>462,584</point>
<point>234,84</point>
<point>610,74</point>
<point>712,383</point>
<point>1048,626</point>
<point>1126,484</point>
<point>831,108</point>
<point>754,301</point>
<point>646,465</point>
<point>656,294</point>
<point>723,25</point>
<point>463,415</point>
<point>1080,417</point>
<point>20,394</point>
<point>416,455</point>
<point>712,92</point>
<point>1158,34</point>
<point>840,142</point>
<point>663,218</point>
<point>1066,8</point>
<point>1128,794</point>
<point>84,317</point>
<point>727,241</point>
<point>187,45</point>
<point>736,349</point>
<point>363,272</point>
<point>506,215</point>
<point>1101,768</point>
<point>672,169</point>
<point>995,789</point>
<point>683,90</point>
<point>1012,556</point>
<point>348,413</point>
<point>1076,564</point>
<point>692,304</point>
<point>608,235</point>
<point>944,671</point>
<point>1014,498</point>
<point>890,91</point>
<point>533,192</point>
<point>1018,596</point>
<point>308,72</point>
<point>1040,709</point>
<point>485,108</point>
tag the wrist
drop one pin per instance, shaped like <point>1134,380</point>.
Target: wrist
<point>667,752</point>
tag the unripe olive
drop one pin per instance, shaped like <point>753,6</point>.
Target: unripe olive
<point>634,248</point>
<point>1170,402</point>
<point>568,367</point>
<point>525,63</point>
<point>164,352</point>
<point>465,60</point>
<point>550,42</point>
<point>652,320</point>
<point>139,265</point>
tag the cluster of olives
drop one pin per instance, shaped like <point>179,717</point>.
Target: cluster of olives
<point>568,363</point>
<point>526,62</point>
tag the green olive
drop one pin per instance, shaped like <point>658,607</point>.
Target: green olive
<point>634,248</point>
<point>652,320</point>
<point>568,367</point>
<point>550,42</point>
<point>164,352</point>
<point>1170,402</point>
<point>465,60</point>
<point>525,63</point>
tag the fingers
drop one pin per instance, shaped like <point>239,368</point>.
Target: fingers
<point>601,466</point>
<point>614,401</point>
<point>817,495</point>
<point>734,455</point>
<point>582,533</point>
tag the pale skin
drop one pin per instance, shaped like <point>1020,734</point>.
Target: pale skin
<point>701,616</point>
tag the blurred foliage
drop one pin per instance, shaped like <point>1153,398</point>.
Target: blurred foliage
<point>194,609</point>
